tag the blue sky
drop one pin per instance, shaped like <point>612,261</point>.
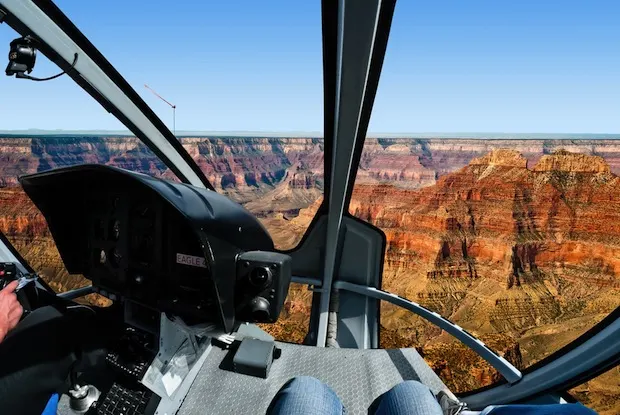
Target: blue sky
<point>451,66</point>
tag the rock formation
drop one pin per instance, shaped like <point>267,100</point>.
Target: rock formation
<point>500,248</point>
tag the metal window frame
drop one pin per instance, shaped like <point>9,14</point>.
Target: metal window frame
<point>353,58</point>
<point>505,368</point>
<point>76,293</point>
<point>586,357</point>
<point>575,365</point>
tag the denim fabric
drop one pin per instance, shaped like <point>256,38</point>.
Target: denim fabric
<point>559,409</point>
<point>306,395</point>
<point>409,398</point>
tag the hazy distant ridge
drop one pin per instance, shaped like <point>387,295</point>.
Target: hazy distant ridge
<point>483,135</point>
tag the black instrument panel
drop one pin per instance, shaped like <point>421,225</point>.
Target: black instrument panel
<point>143,250</point>
<point>162,245</point>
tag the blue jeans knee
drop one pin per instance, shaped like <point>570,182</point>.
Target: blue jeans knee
<point>409,398</point>
<point>305,395</point>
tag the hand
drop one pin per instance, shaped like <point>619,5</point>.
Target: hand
<point>10,309</point>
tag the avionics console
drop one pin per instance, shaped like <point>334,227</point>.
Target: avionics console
<point>165,246</point>
<point>142,249</point>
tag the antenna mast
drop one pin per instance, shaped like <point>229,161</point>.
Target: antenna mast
<point>174,108</point>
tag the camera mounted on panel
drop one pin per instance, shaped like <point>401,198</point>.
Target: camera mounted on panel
<point>261,287</point>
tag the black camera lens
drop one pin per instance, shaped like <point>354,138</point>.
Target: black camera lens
<point>260,276</point>
<point>260,310</point>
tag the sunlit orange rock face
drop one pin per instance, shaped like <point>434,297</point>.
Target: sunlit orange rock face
<point>499,216</point>
<point>531,252</point>
<point>18,216</point>
<point>25,227</point>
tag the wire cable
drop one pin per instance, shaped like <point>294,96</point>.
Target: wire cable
<point>32,78</point>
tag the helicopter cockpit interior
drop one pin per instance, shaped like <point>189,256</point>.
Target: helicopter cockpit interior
<point>190,272</point>
<point>176,257</point>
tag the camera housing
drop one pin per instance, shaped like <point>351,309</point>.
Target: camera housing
<point>22,57</point>
<point>262,285</point>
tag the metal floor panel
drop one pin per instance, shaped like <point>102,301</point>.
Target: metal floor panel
<point>357,376</point>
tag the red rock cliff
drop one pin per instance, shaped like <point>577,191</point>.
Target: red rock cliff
<point>503,248</point>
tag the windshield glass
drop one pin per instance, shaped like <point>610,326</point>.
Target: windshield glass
<point>253,129</point>
<point>504,217</point>
<point>52,124</point>
<point>248,90</point>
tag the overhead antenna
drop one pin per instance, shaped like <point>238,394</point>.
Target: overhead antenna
<point>174,109</point>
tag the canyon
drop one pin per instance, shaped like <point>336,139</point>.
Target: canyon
<point>523,254</point>
<point>526,255</point>
<point>517,241</point>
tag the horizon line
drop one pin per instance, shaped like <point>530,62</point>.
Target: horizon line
<point>309,134</point>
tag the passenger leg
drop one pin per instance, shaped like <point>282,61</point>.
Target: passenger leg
<point>409,398</point>
<point>306,395</point>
